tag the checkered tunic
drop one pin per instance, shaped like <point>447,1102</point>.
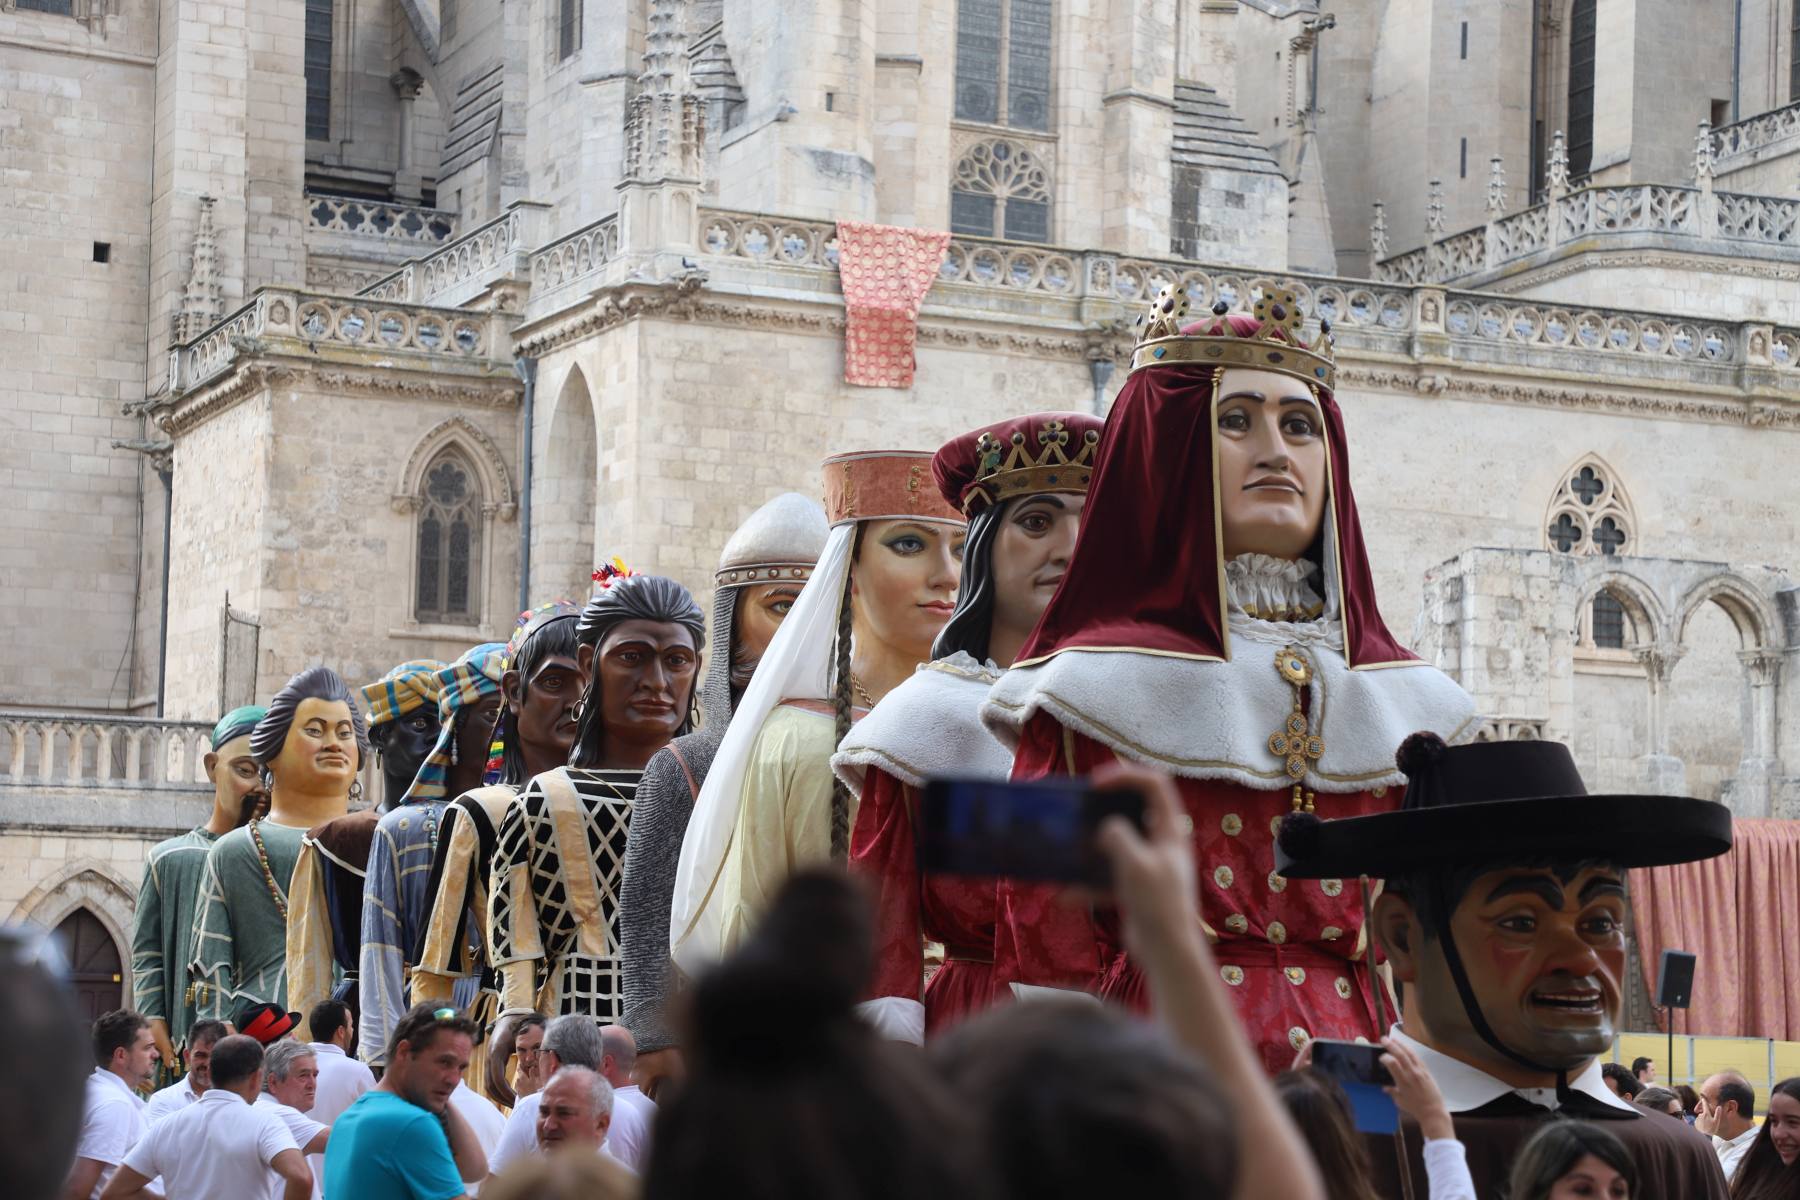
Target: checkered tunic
<point>553,910</point>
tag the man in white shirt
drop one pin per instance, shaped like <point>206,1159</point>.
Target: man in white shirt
<point>112,1121</point>
<point>184,1091</point>
<point>341,1078</point>
<point>290,1081</point>
<point>221,1147</point>
<point>1727,1114</point>
<point>571,1040</point>
<point>575,1112</point>
<point>632,1111</point>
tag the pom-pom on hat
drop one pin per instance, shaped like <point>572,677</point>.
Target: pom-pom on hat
<point>1029,455</point>
<point>1500,802</point>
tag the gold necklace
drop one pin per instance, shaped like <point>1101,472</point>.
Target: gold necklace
<point>262,858</point>
<point>860,692</point>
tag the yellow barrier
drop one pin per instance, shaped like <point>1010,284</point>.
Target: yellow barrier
<point>1763,1061</point>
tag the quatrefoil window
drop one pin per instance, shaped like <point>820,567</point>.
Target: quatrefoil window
<point>1590,514</point>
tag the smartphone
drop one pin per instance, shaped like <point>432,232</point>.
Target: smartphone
<point>1356,1066</point>
<point>1041,830</point>
<point>1350,1062</point>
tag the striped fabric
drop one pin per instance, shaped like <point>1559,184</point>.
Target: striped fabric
<point>408,686</point>
<point>468,679</point>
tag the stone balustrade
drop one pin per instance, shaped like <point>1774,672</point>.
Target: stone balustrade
<point>379,219</point>
<point>491,253</point>
<point>52,750</point>
<point>572,261</point>
<point>1745,141</point>
<point>1696,218</point>
<point>305,324</point>
<point>1074,287</point>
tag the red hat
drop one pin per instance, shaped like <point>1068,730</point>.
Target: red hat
<point>1151,512</point>
<point>266,1023</point>
<point>1026,456</point>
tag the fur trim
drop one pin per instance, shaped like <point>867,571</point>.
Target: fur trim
<point>929,725</point>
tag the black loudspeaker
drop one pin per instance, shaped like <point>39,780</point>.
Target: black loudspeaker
<point>1675,979</point>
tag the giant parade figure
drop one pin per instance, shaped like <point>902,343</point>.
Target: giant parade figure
<point>162,927</point>
<point>764,565</point>
<point>884,586</point>
<point>310,746</point>
<point>1023,484</point>
<point>539,686</point>
<point>325,900</point>
<point>395,892</point>
<point>553,894</point>
<point>1504,920</point>
<point>1219,621</point>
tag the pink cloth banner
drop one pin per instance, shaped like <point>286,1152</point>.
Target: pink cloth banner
<point>1736,914</point>
<point>885,271</point>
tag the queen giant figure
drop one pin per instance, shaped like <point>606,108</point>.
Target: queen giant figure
<point>1218,621</point>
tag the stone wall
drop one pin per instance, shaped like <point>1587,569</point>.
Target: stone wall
<point>75,149</point>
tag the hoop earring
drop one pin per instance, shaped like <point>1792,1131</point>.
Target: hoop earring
<point>356,792</point>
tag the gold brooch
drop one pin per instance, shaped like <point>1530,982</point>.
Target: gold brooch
<point>1296,742</point>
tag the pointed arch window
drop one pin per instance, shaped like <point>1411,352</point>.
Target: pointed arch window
<point>449,542</point>
<point>1590,514</point>
<point>318,70</point>
<point>1001,189</point>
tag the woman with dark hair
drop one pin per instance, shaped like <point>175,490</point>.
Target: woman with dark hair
<point>540,683</point>
<point>1768,1171</point>
<point>1022,484</point>
<point>789,1093</point>
<point>554,887</point>
<point>310,745</point>
<point>1573,1160</point>
<point>883,588</point>
<point>1322,1112</point>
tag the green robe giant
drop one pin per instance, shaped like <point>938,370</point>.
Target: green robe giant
<point>162,930</point>
<point>240,940</point>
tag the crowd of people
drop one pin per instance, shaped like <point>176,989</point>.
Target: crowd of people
<point>658,905</point>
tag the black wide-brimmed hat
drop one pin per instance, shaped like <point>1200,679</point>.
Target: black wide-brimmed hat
<point>266,1023</point>
<point>1500,802</point>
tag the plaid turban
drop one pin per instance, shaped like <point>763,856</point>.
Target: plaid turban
<point>465,681</point>
<point>237,723</point>
<point>408,686</point>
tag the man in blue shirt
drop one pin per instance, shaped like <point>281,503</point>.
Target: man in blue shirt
<point>404,1140</point>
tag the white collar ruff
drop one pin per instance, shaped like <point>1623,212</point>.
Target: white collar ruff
<point>1465,1087</point>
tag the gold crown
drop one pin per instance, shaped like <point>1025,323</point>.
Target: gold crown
<point>1003,471</point>
<point>1277,344</point>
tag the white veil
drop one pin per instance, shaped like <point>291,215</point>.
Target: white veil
<point>797,665</point>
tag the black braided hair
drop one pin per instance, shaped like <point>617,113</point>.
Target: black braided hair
<point>840,704</point>
<point>631,598</point>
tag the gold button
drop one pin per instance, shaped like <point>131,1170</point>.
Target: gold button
<point>1237,923</point>
<point>1331,887</point>
<point>1298,1037</point>
<point>1277,932</point>
<point>1379,792</point>
<point>1295,975</point>
<point>1275,825</point>
<point>1332,933</point>
<point>1222,876</point>
<point>1343,986</point>
<point>1277,882</point>
<point>1232,975</point>
<point>1232,824</point>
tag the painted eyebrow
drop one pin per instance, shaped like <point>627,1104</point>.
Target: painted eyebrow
<point>1258,397</point>
<point>1054,501</point>
<point>1605,886</point>
<point>1532,885</point>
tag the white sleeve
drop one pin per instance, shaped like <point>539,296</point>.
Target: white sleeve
<point>106,1134</point>
<point>1447,1167</point>
<point>274,1137</point>
<point>895,1018</point>
<point>519,1137</point>
<point>140,1158</point>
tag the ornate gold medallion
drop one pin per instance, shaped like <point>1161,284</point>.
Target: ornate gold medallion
<point>1295,742</point>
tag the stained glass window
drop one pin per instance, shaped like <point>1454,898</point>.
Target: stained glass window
<point>61,8</point>
<point>318,70</point>
<point>1000,189</point>
<point>1003,62</point>
<point>449,551</point>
